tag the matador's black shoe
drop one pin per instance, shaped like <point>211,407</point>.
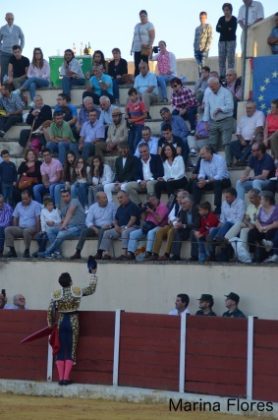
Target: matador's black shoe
<point>91,264</point>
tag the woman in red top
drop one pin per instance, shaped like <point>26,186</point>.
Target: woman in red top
<point>271,129</point>
<point>208,221</point>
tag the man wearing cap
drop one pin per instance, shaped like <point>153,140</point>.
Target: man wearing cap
<point>232,306</point>
<point>181,305</point>
<point>117,133</point>
<point>205,305</point>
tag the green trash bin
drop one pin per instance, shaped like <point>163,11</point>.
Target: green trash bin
<point>56,63</point>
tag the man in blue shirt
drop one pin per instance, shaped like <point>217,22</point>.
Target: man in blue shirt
<point>26,223</point>
<point>126,220</point>
<point>91,132</point>
<point>101,84</point>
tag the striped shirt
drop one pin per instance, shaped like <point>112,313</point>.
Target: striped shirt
<point>6,213</point>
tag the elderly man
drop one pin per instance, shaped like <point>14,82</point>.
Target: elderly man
<point>146,85</point>
<point>106,111</point>
<point>26,223</point>
<point>255,13</point>
<point>188,220</point>
<point>249,130</point>
<point>117,133</point>
<point>5,220</point>
<point>181,305</point>
<point>213,175</point>
<point>233,83</point>
<point>149,140</point>
<point>263,167</point>
<point>101,84</point>
<point>10,35</point>
<point>86,108</point>
<point>99,218</point>
<point>12,105</point>
<point>150,168</point>
<point>19,303</point>
<point>218,114</point>
<point>91,133</point>
<point>73,220</point>
<point>126,220</point>
<point>39,118</point>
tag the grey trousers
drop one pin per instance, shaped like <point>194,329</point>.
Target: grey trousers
<point>220,133</point>
<point>87,232</point>
<point>133,188</point>
<point>111,234</point>
<point>12,232</point>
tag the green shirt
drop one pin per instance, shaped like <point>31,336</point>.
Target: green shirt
<point>63,132</point>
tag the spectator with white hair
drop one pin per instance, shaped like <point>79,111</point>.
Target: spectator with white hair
<point>19,303</point>
<point>249,130</point>
<point>10,35</point>
<point>219,116</point>
<point>105,117</point>
<point>83,116</point>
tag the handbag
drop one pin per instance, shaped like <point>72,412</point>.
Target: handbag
<point>145,50</point>
<point>26,182</point>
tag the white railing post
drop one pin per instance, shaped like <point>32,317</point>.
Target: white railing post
<point>250,356</point>
<point>116,347</point>
<point>49,363</point>
<point>182,352</point>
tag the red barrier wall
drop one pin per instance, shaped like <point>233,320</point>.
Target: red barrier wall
<point>265,360</point>
<point>149,351</point>
<point>216,351</point>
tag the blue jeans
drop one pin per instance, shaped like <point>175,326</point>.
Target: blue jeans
<point>162,84</point>
<point>39,190</point>
<point>116,90</point>
<point>2,238</point>
<point>57,194</point>
<point>202,253</point>
<point>240,152</point>
<point>56,237</point>
<point>8,192</point>
<point>80,190</point>
<point>137,235</point>
<point>68,82</point>
<point>62,148</point>
<point>245,186</point>
<point>200,57</point>
<point>32,83</point>
<point>134,136</point>
<point>88,150</point>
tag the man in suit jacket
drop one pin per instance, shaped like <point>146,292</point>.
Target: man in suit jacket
<point>126,170</point>
<point>188,220</point>
<point>150,168</point>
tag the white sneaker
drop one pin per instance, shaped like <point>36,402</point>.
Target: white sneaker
<point>268,245</point>
<point>272,259</point>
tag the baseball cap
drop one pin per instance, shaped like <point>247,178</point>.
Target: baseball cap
<point>233,296</point>
<point>206,297</point>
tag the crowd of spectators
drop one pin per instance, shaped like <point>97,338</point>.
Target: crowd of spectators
<point>64,188</point>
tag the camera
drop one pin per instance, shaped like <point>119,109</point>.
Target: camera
<point>156,49</point>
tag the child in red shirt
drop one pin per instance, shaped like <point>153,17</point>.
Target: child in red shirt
<point>208,221</point>
<point>136,115</point>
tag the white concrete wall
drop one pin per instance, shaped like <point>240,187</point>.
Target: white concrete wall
<point>147,287</point>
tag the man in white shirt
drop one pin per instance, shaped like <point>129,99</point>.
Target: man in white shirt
<point>181,305</point>
<point>213,175</point>
<point>150,168</point>
<point>148,139</point>
<point>255,14</point>
<point>146,85</point>
<point>249,130</point>
<point>219,107</point>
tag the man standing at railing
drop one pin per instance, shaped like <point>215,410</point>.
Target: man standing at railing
<point>255,14</point>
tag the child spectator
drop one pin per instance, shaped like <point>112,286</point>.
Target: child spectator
<point>49,217</point>
<point>8,176</point>
<point>136,115</point>
<point>208,221</point>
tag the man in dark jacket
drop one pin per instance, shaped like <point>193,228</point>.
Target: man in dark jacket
<point>188,221</point>
<point>150,168</point>
<point>126,170</point>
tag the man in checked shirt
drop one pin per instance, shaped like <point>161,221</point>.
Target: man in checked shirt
<point>184,102</point>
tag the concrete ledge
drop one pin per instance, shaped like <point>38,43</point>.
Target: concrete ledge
<point>135,395</point>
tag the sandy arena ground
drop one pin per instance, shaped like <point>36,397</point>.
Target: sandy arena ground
<point>41,408</point>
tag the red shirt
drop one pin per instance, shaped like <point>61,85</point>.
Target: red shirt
<point>272,121</point>
<point>135,110</point>
<point>207,222</point>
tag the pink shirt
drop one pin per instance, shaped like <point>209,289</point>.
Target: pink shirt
<point>162,211</point>
<point>52,170</point>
